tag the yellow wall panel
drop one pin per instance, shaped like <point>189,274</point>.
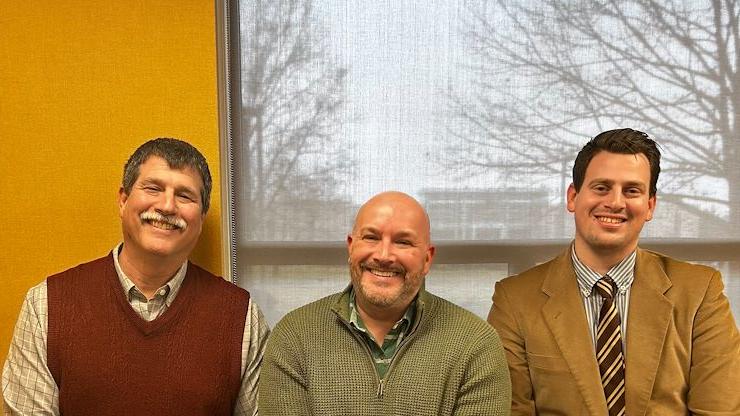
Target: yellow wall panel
<point>82,84</point>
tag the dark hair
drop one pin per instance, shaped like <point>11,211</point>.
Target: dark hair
<point>178,154</point>
<point>623,141</point>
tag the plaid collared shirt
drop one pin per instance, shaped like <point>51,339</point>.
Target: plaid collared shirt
<point>382,356</point>
<point>28,387</point>
<point>623,274</point>
<point>150,309</point>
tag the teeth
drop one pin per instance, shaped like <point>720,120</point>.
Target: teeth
<point>610,220</point>
<point>383,273</point>
<point>157,220</point>
<point>162,225</point>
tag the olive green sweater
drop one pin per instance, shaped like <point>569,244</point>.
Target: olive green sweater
<point>451,363</point>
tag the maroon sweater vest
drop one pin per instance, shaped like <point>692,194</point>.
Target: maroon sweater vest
<point>107,360</point>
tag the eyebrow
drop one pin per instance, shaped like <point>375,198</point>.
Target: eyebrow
<point>149,181</point>
<point>367,229</point>
<point>400,234</point>
<point>639,184</point>
<point>181,188</point>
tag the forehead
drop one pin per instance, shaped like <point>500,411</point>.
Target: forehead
<point>393,216</point>
<point>608,165</point>
<point>157,168</point>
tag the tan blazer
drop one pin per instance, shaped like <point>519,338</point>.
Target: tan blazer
<point>683,347</point>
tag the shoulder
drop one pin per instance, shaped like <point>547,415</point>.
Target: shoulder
<point>312,324</point>
<point>83,270</point>
<point>214,282</point>
<point>36,299</point>
<point>450,320</point>
<point>682,274</point>
<point>672,264</point>
<point>460,336</point>
<point>310,316</point>
<point>532,279</point>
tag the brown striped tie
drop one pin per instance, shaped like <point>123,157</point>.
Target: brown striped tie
<point>609,348</point>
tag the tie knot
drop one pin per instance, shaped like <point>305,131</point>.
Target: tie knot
<point>606,287</point>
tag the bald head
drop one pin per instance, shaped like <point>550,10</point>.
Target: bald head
<point>397,204</point>
<point>389,253</point>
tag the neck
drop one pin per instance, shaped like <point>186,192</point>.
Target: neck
<point>148,272</point>
<point>600,261</point>
<point>379,320</point>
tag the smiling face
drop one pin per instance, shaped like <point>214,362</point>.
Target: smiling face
<point>611,207</point>
<point>389,251</point>
<point>162,214</point>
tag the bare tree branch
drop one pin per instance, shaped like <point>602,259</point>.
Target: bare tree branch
<point>551,73</point>
<point>291,97</point>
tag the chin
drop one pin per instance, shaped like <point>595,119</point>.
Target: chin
<point>609,244</point>
<point>380,298</point>
<point>163,250</point>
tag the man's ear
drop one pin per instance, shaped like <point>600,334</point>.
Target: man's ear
<point>349,242</point>
<point>429,257</point>
<point>651,207</point>
<point>571,194</point>
<point>122,198</point>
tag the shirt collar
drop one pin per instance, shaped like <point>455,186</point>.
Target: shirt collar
<point>168,291</point>
<point>623,273</point>
<point>356,321</point>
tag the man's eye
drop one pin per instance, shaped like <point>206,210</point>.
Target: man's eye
<point>186,197</point>
<point>404,242</point>
<point>600,188</point>
<point>369,237</point>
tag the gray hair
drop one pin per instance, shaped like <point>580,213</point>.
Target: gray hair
<point>178,154</point>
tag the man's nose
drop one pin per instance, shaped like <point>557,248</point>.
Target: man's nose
<point>166,203</point>
<point>384,251</point>
<point>616,199</point>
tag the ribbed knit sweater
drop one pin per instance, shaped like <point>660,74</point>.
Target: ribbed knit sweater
<point>451,363</point>
<point>107,360</point>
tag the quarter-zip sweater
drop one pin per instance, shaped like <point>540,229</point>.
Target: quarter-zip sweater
<point>107,360</point>
<point>451,363</point>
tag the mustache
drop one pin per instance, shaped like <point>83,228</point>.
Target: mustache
<point>378,266</point>
<point>172,220</point>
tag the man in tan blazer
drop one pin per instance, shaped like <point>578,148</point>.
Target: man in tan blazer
<point>680,349</point>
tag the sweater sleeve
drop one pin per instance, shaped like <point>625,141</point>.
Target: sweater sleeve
<point>486,387</point>
<point>283,381</point>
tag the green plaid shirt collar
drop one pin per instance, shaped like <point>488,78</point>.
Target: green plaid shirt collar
<point>382,356</point>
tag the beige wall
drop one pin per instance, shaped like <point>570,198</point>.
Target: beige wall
<point>82,84</point>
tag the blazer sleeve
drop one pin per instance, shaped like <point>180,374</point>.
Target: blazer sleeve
<point>715,355</point>
<point>503,317</point>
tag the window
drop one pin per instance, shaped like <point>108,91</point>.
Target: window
<point>477,109</point>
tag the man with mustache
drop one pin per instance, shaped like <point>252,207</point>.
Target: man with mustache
<point>608,327</point>
<point>385,346</point>
<point>141,330</point>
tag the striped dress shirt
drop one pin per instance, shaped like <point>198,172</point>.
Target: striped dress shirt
<point>623,273</point>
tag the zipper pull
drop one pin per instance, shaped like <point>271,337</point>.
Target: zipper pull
<point>380,389</point>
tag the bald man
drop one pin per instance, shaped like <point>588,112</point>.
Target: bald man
<point>385,346</point>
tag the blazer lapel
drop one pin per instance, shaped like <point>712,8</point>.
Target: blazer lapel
<point>565,316</point>
<point>649,317</point>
